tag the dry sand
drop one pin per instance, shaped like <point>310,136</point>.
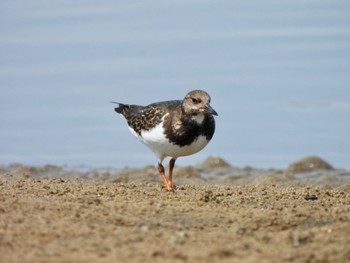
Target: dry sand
<point>65,219</point>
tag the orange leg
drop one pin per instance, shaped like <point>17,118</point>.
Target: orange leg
<point>171,167</point>
<point>162,175</point>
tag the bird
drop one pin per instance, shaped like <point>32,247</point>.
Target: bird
<point>172,128</point>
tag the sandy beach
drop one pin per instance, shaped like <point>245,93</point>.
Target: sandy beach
<point>49,214</point>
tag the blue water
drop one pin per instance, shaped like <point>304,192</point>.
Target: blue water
<point>278,73</point>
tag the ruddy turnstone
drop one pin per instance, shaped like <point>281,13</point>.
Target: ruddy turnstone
<point>172,128</point>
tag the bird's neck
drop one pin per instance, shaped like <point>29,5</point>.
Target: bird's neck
<point>198,118</point>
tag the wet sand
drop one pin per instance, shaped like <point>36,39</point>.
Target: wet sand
<point>51,214</point>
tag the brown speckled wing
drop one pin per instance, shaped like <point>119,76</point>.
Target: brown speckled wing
<point>141,118</point>
<point>179,128</point>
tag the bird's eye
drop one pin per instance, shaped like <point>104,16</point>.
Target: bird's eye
<point>196,100</point>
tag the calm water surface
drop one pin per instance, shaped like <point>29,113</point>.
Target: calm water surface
<point>277,72</point>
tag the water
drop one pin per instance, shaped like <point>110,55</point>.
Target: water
<point>277,72</point>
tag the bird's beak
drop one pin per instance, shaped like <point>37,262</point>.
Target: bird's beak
<point>210,110</point>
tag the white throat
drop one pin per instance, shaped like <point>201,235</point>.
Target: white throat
<point>199,118</point>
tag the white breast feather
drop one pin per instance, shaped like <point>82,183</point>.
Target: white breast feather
<point>155,139</point>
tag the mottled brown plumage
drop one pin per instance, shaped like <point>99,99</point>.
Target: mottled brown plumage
<point>172,128</point>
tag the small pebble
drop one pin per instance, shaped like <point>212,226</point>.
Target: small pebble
<point>310,197</point>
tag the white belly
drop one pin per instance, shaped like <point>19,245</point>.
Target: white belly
<point>160,145</point>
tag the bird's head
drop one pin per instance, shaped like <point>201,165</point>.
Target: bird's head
<point>197,102</point>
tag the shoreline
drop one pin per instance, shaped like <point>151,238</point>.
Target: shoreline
<point>102,219</point>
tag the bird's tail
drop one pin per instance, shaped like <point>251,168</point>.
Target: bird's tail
<point>120,108</point>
